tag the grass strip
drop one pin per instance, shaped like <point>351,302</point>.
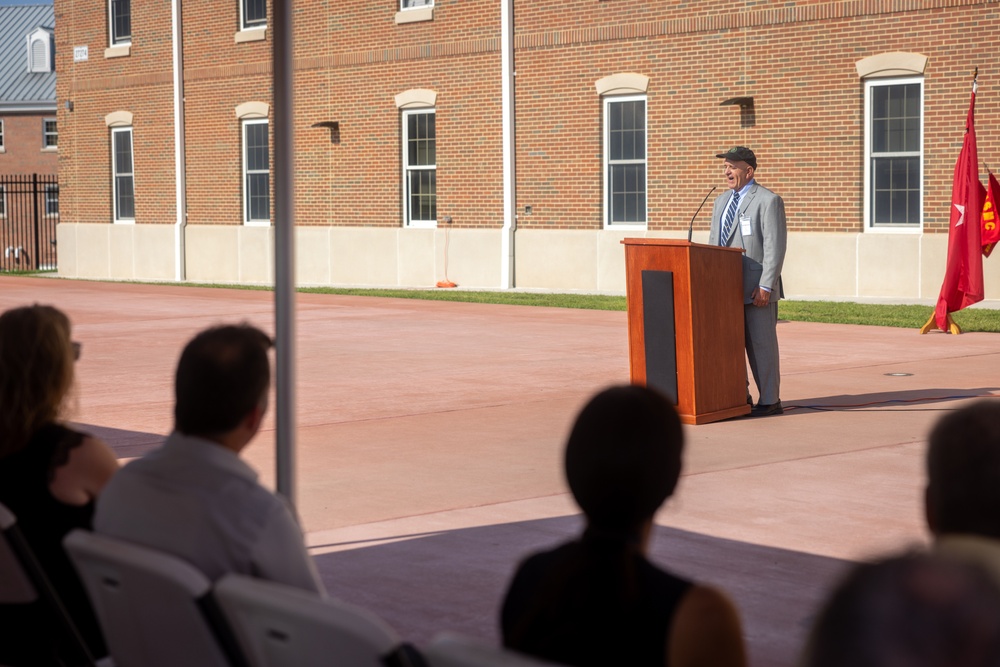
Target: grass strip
<point>828,312</point>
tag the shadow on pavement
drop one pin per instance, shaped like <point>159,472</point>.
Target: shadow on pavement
<point>425,583</point>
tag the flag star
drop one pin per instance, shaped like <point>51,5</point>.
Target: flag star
<point>961,214</point>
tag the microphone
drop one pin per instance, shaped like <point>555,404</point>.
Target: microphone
<point>691,224</point>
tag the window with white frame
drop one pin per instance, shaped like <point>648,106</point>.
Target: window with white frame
<point>253,14</point>
<point>50,134</point>
<point>3,201</point>
<point>120,22</point>
<point>256,173</point>
<point>123,176</point>
<point>894,153</point>
<point>52,201</point>
<point>420,168</point>
<point>414,4</point>
<point>2,148</point>
<point>625,160</point>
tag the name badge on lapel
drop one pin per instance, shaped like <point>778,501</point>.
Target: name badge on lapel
<point>745,225</point>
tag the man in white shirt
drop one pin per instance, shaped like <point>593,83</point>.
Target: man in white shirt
<point>194,497</point>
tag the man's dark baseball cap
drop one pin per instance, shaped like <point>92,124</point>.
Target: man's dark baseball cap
<point>740,154</point>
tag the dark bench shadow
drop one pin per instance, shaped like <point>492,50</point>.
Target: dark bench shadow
<point>454,580</point>
<point>127,444</point>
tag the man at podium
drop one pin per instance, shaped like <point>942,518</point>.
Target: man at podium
<point>752,217</point>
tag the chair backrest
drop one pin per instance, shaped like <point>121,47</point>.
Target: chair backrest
<point>154,608</point>
<point>16,585</point>
<point>452,650</point>
<point>23,581</point>
<point>283,626</point>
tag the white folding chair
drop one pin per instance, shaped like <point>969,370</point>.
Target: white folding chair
<point>452,650</point>
<point>22,581</point>
<point>156,610</point>
<point>283,626</point>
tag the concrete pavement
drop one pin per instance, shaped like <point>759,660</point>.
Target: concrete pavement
<point>430,436</point>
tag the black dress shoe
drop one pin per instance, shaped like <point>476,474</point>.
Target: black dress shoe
<point>760,410</point>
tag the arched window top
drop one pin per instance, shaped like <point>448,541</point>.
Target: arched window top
<point>40,50</point>
<point>416,98</point>
<point>625,83</point>
<point>118,119</point>
<point>249,110</point>
<point>896,63</point>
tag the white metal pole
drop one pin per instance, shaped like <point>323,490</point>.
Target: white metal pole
<point>507,278</point>
<point>284,250</point>
<point>180,167</point>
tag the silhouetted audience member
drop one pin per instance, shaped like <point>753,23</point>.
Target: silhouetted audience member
<point>915,610</point>
<point>962,500</point>
<point>598,600</point>
<point>50,476</point>
<point>194,497</point>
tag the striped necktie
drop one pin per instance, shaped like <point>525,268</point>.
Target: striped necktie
<point>727,225</point>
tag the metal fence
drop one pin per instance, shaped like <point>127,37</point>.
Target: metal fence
<point>29,211</point>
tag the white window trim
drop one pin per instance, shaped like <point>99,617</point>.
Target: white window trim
<point>868,227</point>
<point>45,201</point>
<point>605,163</point>
<point>45,148</point>
<point>407,221</point>
<point>122,48</point>
<point>3,145</point>
<point>114,175</point>
<point>244,28</point>
<point>3,202</point>
<point>243,172</point>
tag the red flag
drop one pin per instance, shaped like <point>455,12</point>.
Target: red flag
<point>991,218</point>
<point>963,276</point>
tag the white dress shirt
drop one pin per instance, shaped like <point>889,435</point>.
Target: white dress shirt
<point>199,501</point>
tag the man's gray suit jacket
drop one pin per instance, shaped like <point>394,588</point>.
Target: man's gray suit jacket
<point>765,243</point>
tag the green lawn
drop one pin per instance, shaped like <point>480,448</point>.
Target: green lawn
<point>833,312</point>
<point>836,312</point>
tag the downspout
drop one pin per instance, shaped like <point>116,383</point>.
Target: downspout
<point>509,181</point>
<point>180,169</point>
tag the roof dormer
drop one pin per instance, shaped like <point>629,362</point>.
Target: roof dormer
<point>40,51</point>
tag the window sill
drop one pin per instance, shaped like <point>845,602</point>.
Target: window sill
<point>421,224</point>
<point>125,222</point>
<point>625,227</point>
<point>50,149</point>
<point>251,35</point>
<point>119,51</point>
<point>901,229</point>
<point>415,15</point>
<point>256,223</point>
<point>2,149</point>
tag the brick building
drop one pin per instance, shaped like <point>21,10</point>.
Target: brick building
<point>514,142</point>
<point>28,130</point>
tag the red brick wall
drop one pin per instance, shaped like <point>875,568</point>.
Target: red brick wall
<point>799,65</point>
<point>22,140</point>
<point>352,73</point>
<point>139,83</point>
<point>796,59</point>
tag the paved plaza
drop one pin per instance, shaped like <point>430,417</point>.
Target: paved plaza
<point>429,438</point>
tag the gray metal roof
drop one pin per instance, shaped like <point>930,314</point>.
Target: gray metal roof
<point>19,88</point>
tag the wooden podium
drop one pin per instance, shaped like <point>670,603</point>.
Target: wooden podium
<point>685,325</point>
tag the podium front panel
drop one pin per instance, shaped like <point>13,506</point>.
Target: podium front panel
<point>659,332</point>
